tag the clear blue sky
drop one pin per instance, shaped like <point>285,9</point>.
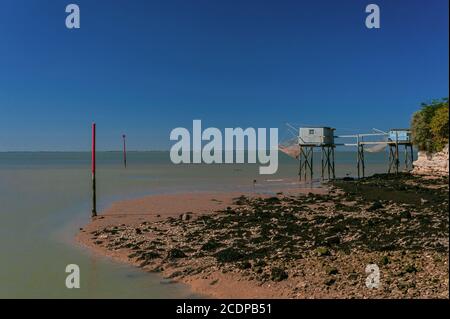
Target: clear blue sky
<point>146,67</point>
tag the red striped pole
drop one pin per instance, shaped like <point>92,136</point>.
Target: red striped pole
<point>124,151</point>
<point>94,199</point>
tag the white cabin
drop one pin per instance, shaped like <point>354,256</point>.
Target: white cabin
<point>316,136</point>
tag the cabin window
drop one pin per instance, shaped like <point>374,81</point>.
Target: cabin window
<point>311,132</point>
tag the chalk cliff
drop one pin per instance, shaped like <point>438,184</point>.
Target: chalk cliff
<point>432,164</point>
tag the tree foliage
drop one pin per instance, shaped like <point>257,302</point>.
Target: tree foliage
<point>430,130</point>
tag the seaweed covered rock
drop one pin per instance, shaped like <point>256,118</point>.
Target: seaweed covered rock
<point>278,274</point>
<point>175,253</point>
<point>323,251</point>
<point>211,245</point>
<point>228,255</point>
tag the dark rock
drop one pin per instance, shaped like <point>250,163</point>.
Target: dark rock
<point>405,214</point>
<point>229,255</point>
<point>144,263</point>
<point>258,270</point>
<point>242,200</point>
<point>323,251</point>
<point>175,253</point>
<point>404,285</point>
<point>384,260</point>
<point>333,240</point>
<point>332,271</point>
<point>149,255</point>
<point>375,206</point>
<point>211,245</point>
<point>157,269</point>
<point>175,274</point>
<point>245,265</point>
<point>212,283</point>
<point>186,216</point>
<point>133,255</point>
<point>353,276</point>
<point>278,274</point>
<point>330,281</point>
<point>260,263</point>
<point>273,200</point>
<point>410,269</point>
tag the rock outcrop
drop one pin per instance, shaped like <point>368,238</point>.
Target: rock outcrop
<point>432,164</point>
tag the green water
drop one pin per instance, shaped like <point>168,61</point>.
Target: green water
<point>45,198</point>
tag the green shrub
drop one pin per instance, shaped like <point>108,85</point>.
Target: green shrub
<point>439,127</point>
<point>429,126</point>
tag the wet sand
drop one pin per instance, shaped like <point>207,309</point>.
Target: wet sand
<point>150,209</point>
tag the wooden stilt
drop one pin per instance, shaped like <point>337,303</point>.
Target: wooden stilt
<point>397,160</point>
<point>300,163</point>
<point>332,162</point>
<point>94,195</point>
<point>322,157</point>
<point>329,161</point>
<point>358,160</point>
<point>406,159</point>
<point>363,162</point>
<point>124,151</point>
<point>306,161</point>
<point>394,156</point>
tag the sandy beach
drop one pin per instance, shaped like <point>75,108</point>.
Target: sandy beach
<point>299,243</point>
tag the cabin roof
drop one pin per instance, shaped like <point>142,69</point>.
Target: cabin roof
<point>327,127</point>
<point>400,129</point>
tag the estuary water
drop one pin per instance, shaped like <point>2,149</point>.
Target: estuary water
<point>45,199</point>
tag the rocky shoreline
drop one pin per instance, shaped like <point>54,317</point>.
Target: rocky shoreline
<point>299,245</point>
<point>432,164</point>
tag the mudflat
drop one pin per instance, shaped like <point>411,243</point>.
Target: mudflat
<point>293,244</point>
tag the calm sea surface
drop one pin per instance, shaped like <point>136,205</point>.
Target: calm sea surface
<point>45,198</point>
